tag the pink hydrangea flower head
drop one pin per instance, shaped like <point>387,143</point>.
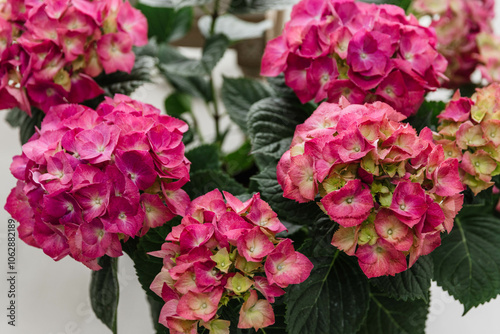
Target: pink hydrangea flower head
<point>58,47</point>
<point>225,249</point>
<point>362,52</point>
<point>469,130</point>
<point>383,183</point>
<point>82,193</point>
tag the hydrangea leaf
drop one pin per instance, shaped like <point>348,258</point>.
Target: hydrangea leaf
<point>104,292</point>
<point>271,124</point>
<point>390,316</point>
<point>147,266</point>
<point>126,83</point>
<point>333,300</point>
<point>238,95</point>
<point>26,124</point>
<point>239,161</point>
<point>467,264</point>
<point>213,50</point>
<point>177,104</point>
<point>287,209</point>
<point>167,24</point>
<point>411,284</point>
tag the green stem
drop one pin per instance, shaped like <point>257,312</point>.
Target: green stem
<point>216,114</point>
<point>215,15</point>
<point>263,331</point>
<point>197,128</point>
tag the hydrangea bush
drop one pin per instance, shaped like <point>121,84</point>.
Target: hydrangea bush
<point>364,52</point>
<point>90,178</point>
<point>391,191</point>
<point>223,251</point>
<point>52,50</point>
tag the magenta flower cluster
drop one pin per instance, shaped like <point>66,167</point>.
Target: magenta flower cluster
<point>51,50</point>
<point>89,178</point>
<point>458,24</point>
<point>364,52</point>
<point>469,130</point>
<point>390,190</point>
<point>225,250</point>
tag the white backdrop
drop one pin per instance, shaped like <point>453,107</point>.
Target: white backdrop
<point>52,297</point>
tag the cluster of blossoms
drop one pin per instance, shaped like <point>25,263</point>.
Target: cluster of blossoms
<point>364,52</point>
<point>51,50</point>
<point>89,178</point>
<point>391,191</point>
<point>223,251</point>
<point>469,130</point>
<point>458,23</point>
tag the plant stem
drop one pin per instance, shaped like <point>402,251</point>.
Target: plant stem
<point>216,113</point>
<point>197,128</point>
<point>215,15</point>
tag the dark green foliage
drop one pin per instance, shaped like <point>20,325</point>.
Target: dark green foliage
<point>126,83</point>
<point>391,316</point>
<point>204,157</point>
<point>467,264</point>
<point>238,95</point>
<point>411,284</point>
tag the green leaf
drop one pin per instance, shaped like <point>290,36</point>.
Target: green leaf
<point>240,160</point>
<point>233,27</point>
<point>467,264</point>
<point>213,50</point>
<point>15,117</point>
<point>287,209</point>
<point>280,88</point>
<point>177,104</point>
<point>391,316</point>
<point>401,3</point>
<point>271,124</point>
<point>29,124</point>
<point>125,83</point>
<point>194,86</point>
<point>333,300</point>
<point>204,157</point>
<point>411,284</point>
<point>260,6</point>
<point>104,292</point>
<point>427,115</point>
<point>175,3</point>
<point>147,266</point>
<point>167,24</point>
<point>238,95</point>
<point>204,181</point>
<point>185,68</point>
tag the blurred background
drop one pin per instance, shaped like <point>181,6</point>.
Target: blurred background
<point>52,297</point>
